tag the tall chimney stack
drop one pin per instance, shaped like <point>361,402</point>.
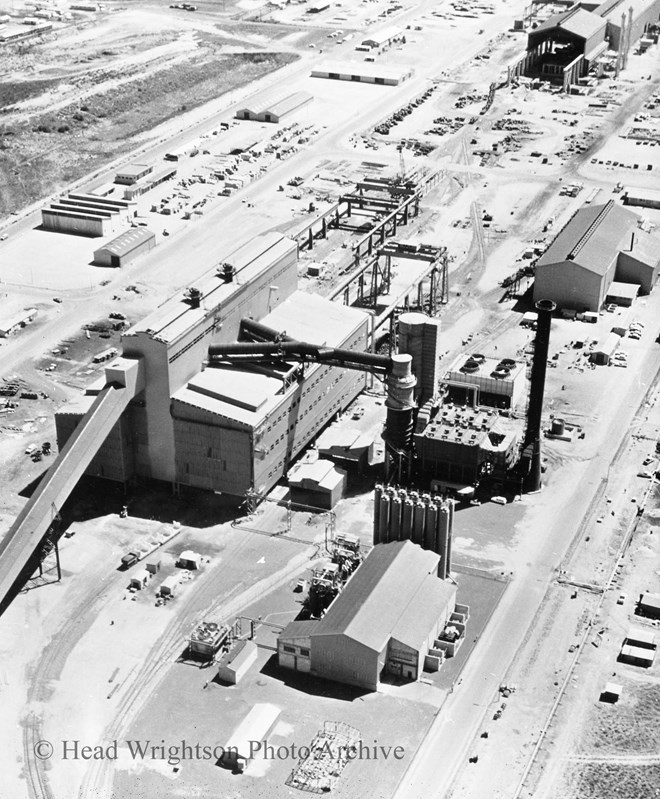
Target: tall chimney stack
<point>532,441</point>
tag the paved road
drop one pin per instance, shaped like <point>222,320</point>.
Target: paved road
<point>446,748</point>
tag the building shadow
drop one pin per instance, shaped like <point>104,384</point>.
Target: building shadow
<point>308,684</point>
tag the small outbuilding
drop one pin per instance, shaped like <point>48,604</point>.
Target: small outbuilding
<point>320,484</point>
<point>637,656</point>
<point>611,693</point>
<point>189,560</point>
<point>649,605</point>
<point>236,663</point>
<point>125,247</point>
<point>603,352</point>
<point>169,585</point>
<point>139,580</point>
<point>623,294</point>
<point>153,565</point>
<point>256,725</point>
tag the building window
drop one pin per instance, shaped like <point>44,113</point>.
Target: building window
<point>304,652</point>
<point>290,650</point>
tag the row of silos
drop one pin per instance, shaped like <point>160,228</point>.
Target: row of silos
<point>419,336</point>
<point>425,519</point>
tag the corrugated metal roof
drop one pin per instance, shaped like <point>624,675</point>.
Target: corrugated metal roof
<point>390,595</point>
<point>277,104</point>
<point>580,23</point>
<point>592,238</point>
<point>175,317</point>
<point>126,242</point>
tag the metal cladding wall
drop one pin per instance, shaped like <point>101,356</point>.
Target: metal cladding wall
<point>170,364</point>
<point>424,519</point>
<point>340,658</point>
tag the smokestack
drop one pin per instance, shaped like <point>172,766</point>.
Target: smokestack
<point>532,443</point>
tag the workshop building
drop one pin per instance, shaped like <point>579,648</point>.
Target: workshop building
<point>567,45</point>
<point>359,72</point>
<point>600,244</point>
<point>385,621</point>
<point>125,247</point>
<point>271,108</point>
<point>87,215</point>
<point>649,605</point>
<point>385,37</point>
<point>131,173</point>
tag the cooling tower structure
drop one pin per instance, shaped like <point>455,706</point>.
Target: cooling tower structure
<point>425,519</point>
<point>531,457</point>
<point>419,337</point>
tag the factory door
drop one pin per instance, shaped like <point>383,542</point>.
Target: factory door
<point>115,261</point>
<point>410,672</point>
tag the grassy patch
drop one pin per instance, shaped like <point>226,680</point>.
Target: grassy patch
<point>43,155</point>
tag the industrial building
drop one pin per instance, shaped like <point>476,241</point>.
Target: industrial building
<point>345,446</point>
<point>125,247</point>
<point>150,181</point>
<point>387,621</point>
<point>567,45</point>
<point>645,198</point>
<point>270,108</point>
<point>600,244</point>
<point>131,173</point>
<point>478,380</point>
<point>227,428</point>
<point>319,484</point>
<point>425,519</point>
<point>87,215</point>
<point>359,72</point>
<point>463,445</point>
<point>383,38</point>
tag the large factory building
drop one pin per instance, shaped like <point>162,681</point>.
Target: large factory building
<point>386,620</point>
<point>599,245</point>
<point>568,44</point>
<point>237,428</point>
<point>226,429</point>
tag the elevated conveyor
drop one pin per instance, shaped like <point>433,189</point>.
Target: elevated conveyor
<point>20,545</point>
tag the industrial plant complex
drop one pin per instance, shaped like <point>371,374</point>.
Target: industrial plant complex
<point>329,399</point>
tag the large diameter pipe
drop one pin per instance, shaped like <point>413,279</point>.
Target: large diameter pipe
<point>301,349</point>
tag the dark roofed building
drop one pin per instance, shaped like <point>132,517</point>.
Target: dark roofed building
<point>600,244</point>
<point>386,620</point>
